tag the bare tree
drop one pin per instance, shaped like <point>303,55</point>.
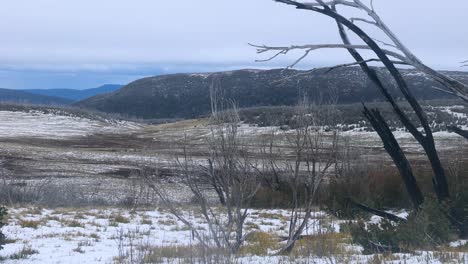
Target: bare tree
<point>229,173</point>
<point>312,152</point>
<point>389,58</point>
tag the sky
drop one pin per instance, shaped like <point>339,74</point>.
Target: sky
<point>86,43</point>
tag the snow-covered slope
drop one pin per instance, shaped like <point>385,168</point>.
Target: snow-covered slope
<point>36,124</point>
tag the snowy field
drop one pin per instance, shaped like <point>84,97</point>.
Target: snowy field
<point>37,124</point>
<point>98,157</point>
<point>107,235</point>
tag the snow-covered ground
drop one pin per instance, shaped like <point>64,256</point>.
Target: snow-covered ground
<point>101,235</point>
<point>36,124</point>
<point>93,235</point>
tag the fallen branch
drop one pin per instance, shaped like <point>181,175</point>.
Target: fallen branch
<point>376,212</point>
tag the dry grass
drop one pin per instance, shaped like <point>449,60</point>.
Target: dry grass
<point>251,226</point>
<point>30,223</point>
<point>120,219</point>
<point>273,216</point>
<point>167,222</point>
<point>184,254</point>
<point>146,221</point>
<point>321,245</point>
<point>259,243</point>
<point>73,223</point>
<point>24,253</point>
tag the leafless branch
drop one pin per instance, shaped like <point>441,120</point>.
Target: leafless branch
<point>442,90</point>
<point>385,43</point>
<point>354,19</point>
<point>282,52</point>
<point>358,63</point>
<point>311,47</point>
<point>329,3</point>
<point>458,88</point>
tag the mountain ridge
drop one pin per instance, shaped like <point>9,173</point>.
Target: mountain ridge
<point>23,97</point>
<point>75,94</point>
<point>187,95</point>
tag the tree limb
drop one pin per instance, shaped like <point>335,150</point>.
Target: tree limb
<point>459,131</point>
<point>310,47</point>
<point>380,213</point>
<point>358,63</point>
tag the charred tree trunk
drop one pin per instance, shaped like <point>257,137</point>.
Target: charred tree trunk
<point>394,150</point>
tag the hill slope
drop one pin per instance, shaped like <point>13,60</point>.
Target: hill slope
<point>76,95</point>
<point>188,95</point>
<point>17,96</point>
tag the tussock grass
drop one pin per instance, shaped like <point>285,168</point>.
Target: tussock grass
<point>30,223</point>
<point>73,223</point>
<point>24,253</point>
<point>120,219</point>
<point>322,245</point>
<point>259,243</point>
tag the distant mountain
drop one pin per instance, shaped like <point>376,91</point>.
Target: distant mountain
<point>188,95</point>
<point>76,95</point>
<point>22,97</point>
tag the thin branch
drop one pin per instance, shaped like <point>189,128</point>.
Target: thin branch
<point>300,58</point>
<point>442,90</point>
<point>282,52</point>
<point>310,47</point>
<point>385,43</point>
<point>354,19</point>
<point>360,62</point>
<point>329,3</point>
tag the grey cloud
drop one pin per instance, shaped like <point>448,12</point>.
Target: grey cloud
<point>106,34</point>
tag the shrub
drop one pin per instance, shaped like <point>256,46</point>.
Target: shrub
<point>3,213</point>
<point>425,229</point>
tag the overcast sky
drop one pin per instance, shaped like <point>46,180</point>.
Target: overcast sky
<point>86,43</point>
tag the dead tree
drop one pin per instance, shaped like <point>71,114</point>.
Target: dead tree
<point>311,154</point>
<point>426,140</point>
<point>229,172</point>
<point>389,59</point>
